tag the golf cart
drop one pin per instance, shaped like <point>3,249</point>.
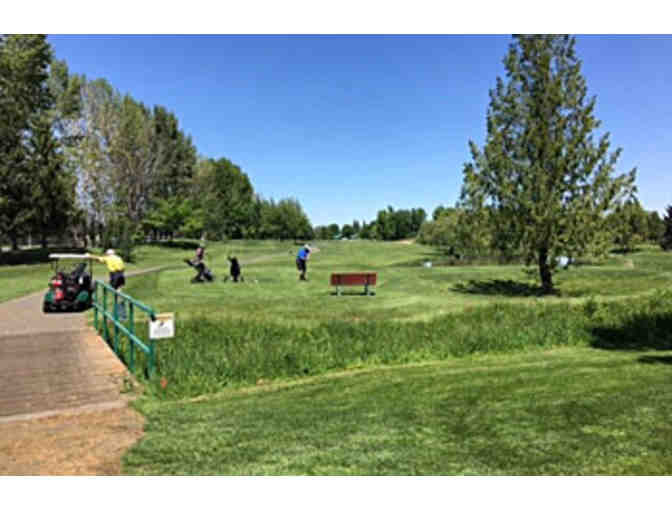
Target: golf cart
<point>71,287</point>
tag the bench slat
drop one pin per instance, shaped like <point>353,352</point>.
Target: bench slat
<point>346,279</point>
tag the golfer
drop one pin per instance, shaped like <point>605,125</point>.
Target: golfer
<point>302,261</point>
<point>235,268</point>
<point>115,265</point>
<point>198,264</point>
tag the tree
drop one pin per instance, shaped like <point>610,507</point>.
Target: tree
<point>24,62</point>
<point>53,195</point>
<point>284,220</point>
<point>654,226</point>
<point>227,199</point>
<point>347,231</point>
<point>666,238</point>
<point>52,191</point>
<point>178,156</point>
<point>541,171</point>
<point>438,212</point>
<point>170,215</point>
<point>628,224</point>
<point>321,232</point>
<point>334,230</point>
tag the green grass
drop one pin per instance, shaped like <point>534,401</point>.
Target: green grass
<point>19,280</point>
<point>448,370</point>
<point>566,411</point>
<point>209,355</point>
<point>406,290</point>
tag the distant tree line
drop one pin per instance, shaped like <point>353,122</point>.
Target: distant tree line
<point>389,225</point>
<point>462,233</point>
<point>80,159</point>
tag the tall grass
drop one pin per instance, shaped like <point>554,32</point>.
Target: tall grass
<point>208,355</point>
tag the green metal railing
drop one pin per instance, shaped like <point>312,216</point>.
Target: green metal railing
<point>100,306</point>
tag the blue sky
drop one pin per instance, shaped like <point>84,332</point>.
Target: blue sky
<point>351,124</point>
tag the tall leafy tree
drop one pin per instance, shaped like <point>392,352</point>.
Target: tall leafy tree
<point>655,227</point>
<point>666,238</point>
<point>24,70</point>
<point>628,224</point>
<point>227,199</point>
<point>543,173</point>
<point>178,156</point>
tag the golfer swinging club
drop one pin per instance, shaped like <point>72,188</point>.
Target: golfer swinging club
<point>302,261</point>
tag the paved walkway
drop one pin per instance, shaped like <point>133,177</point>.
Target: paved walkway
<point>52,362</point>
<point>61,407</point>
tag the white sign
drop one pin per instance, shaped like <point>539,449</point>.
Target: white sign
<point>163,326</point>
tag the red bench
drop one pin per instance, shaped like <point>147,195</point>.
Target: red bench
<point>348,279</point>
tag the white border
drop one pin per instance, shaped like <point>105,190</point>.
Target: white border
<point>335,17</point>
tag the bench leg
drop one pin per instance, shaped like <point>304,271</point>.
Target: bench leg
<point>338,290</point>
<point>366,290</point>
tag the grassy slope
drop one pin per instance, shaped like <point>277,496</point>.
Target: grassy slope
<point>566,411</point>
<point>573,410</point>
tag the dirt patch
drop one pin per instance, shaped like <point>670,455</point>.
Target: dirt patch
<point>407,241</point>
<point>72,443</point>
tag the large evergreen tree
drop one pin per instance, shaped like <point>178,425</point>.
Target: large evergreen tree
<point>52,189</point>
<point>24,64</point>
<point>546,178</point>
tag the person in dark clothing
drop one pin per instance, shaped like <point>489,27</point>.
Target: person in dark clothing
<point>235,269</point>
<point>302,261</point>
<point>198,264</point>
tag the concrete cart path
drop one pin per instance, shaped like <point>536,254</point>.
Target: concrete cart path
<point>50,363</point>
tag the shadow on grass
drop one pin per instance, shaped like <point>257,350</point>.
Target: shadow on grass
<point>500,288</point>
<point>642,332</point>
<point>665,360</point>
<point>621,251</point>
<point>352,293</point>
<point>177,244</point>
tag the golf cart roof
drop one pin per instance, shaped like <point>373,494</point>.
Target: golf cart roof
<point>68,256</point>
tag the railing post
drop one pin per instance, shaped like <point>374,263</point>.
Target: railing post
<point>131,328</point>
<point>106,331</point>
<point>127,329</point>
<point>116,328</point>
<point>95,305</point>
<point>152,360</point>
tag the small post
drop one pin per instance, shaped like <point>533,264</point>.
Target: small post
<point>131,328</point>
<point>106,331</point>
<point>152,354</point>
<point>116,328</point>
<point>96,304</point>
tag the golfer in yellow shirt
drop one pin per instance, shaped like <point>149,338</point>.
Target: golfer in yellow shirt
<point>115,265</point>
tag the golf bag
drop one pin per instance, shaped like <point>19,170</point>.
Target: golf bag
<point>203,273</point>
<point>235,269</point>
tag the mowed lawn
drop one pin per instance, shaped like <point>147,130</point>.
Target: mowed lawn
<point>571,411</point>
<point>19,280</point>
<point>537,410</point>
<point>406,289</point>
